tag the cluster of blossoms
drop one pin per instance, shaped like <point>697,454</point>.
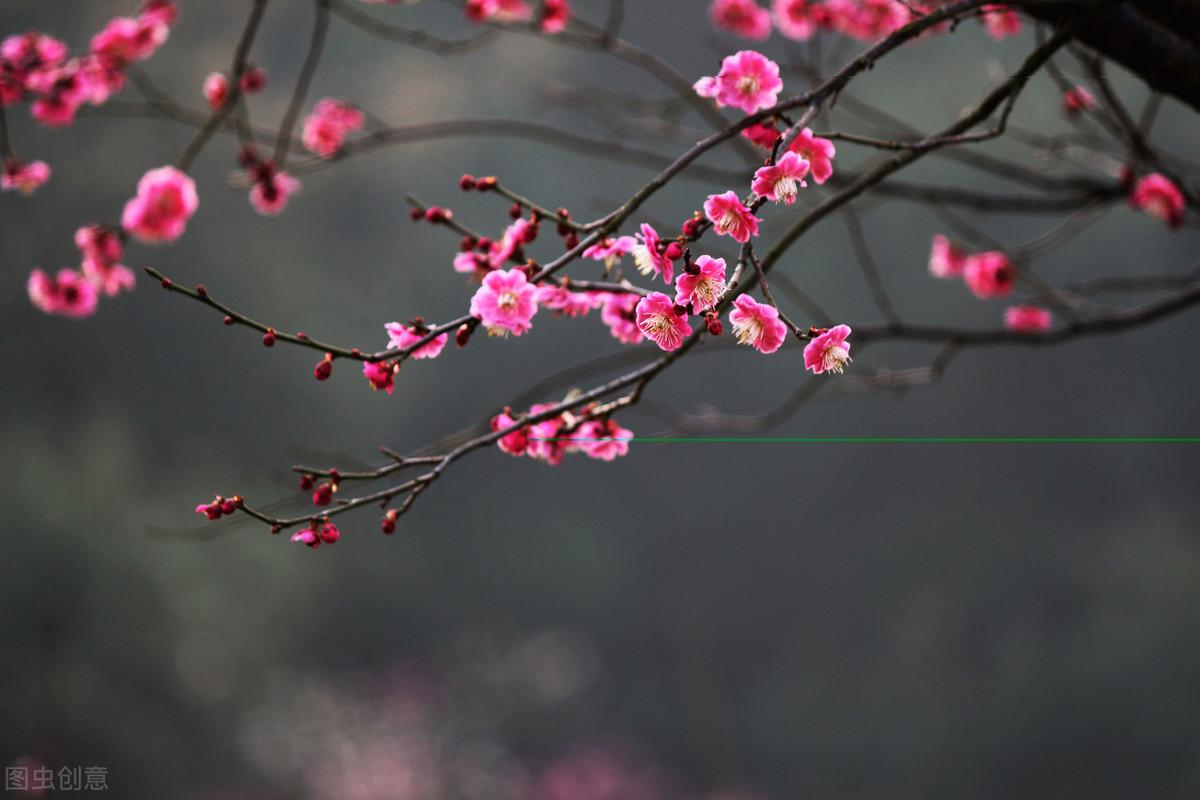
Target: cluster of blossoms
<point>554,14</point>
<point>24,177</point>
<point>75,293</point>
<point>865,20</point>
<point>319,531</point>
<point>988,274</point>
<point>166,199</point>
<point>219,507</point>
<point>326,127</point>
<point>1158,196</point>
<point>551,439</point>
<point>39,70</point>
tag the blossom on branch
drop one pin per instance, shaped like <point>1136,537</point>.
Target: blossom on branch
<point>779,182</point>
<point>747,80</point>
<point>757,324</point>
<point>743,17</point>
<point>24,177</point>
<point>506,302</point>
<point>731,217</point>
<point>828,351</point>
<point>662,321</point>
<point>69,293</point>
<point>166,199</point>
<point>1158,196</point>
<point>701,284</point>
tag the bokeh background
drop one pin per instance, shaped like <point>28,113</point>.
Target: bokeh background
<point>768,620</point>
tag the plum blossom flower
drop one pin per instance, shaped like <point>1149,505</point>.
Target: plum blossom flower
<point>1027,319</point>
<point>402,336</point>
<point>762,134</point>
<point>779,182</point>
<point>216,90</point>
<point>516,441</point>
<point>1076,100</point>
<point>545,440</point>
<point>506,302</point>
<point>619,313</point>
<point>757,324</point>
<point>945,260</point>
<point>509,246</point>
<point>24,177</point>
<point>797,19</point>
<point>128,39</point>
<point>68,293</point>
<point>498,10</point>
<point>989,274</point>
<point>828,351</point>
<point>563,300</point>
<point>471,263</point>
<point>703,287</point>
<point>325,129</point>
<point>602,440</point>
<point>166,199</point>
<point>323,531</point>
<point>730,217</point>
<point>1156,195</point>
<point>102,250</point>
<point>817,151</point>
<point>743,17</point>
<point>651,255</point>
<point>271,191</point>
<point>1000,21</point>
<point>658,320</point>
<point>610,250</point>
<point>381,374</point>
<point>747,80</point>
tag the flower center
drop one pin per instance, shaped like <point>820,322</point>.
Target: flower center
<point>747,85</point>
<point>835,359</point>
<point>748,331</point>
<point>785,188</point>
<point>729,220</point>
<point>507,300</point>
<point>706,292</point>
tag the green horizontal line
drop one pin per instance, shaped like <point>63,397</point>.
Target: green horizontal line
<point>885,439</point>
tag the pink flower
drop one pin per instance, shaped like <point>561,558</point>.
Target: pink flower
<point>216,90</point>
<point>323,531</point>
<point>506,302</point>
<point>402,336</point>
<point>780,182</point>
<point>307,536</point>
<point>102,251</point>
<point>1077,99</point>
<point>743,17</point>
<point>730,217</point>
<point>658,321</point>
<point>514,238</point>
<point>1027,319</point>
<point>702,288</point>
<point>989,274</point>
<point>22,177</point>
<point>514,443</point>
<point>747,80</point>
<point>166,199</point>
<point>498,10</point>
<point>757,324</point>
<point>945,260</point>
<point>1157,196</point>
<point>762,134</point>
<point>126,40</point>
<point>650,254</point>
<point>796,19</point>
<point>619,313</point>
<point>62,91</point>
<point>470,263</point>
<point>33,50</point>
<point>603,440</point>
<point>68,293</point>
<point>326,128</point>
<point>546,442</point>
<point>555,14</point>
<point>817,151</point>
<point>381,374</point>
<point>829,351</point>
<point>610,250</point>
<point>270,193</point>
<point>1000,21</point>
<point>563,300</point>
<point>100,78</point>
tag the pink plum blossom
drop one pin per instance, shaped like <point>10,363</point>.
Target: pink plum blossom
<point>102,250</point>
<point>828,351</point>
<point>381,374</point>
<point>757,324</point>
<point>730,217</point>
<point>945,260</point>
<point>818,152</point>
<point>270,193</point>
<point>68,293</point>
<point>703,287</point>
<point>619,313</point>
<point>545,440</point>
<point>497,10</point>
<point>1000,21</point>
<point>650,254</point>
<point>555,15</point>
<point>610,250</point>
<point>506,302</point>
<point>216,90</point>
<point>326,128</point>
<point>471,263</point>
<point>565,301</point>
<point>1076,100</point>
<point>24,177</point>
<point>989,274</point>
<point>797,19</point>
<point>779,182</point>
<point>323,531</point>
<point>602,440</point>
<point>1158,196</point>
<point>747,80</point>
<point>515,442</point>
<point>509,246</point>
<point>658,320</point>
<point>402,336</point>
<point>125,39</point>
<point>762,134</point>
<point>1027,319</point>
<point>743,17</point>
<point>166,199</point>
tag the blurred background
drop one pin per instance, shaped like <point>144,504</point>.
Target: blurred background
<point>693,621</point>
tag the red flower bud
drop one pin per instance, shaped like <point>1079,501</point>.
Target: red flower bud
<point>324,368</point>
<point>466,183</point>
<point>268,339</point>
